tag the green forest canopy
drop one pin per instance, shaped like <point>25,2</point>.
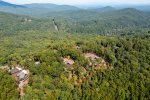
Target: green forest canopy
<point>23,42</point>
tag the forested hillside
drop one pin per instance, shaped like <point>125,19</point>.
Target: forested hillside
<point>106,20</point>
<point>103,22</point>
<point>83,21</point>
<point>11,23</point>
<point>78,62</point>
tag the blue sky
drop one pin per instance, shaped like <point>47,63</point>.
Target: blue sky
<point>80,2</point>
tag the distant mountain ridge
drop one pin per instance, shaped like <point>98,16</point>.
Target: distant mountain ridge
<point>81,21</point>
<point>3,3</point>
<point>104,9</point>
<point>50,6</point>
<point>35,9</point>
<point>40,10</point>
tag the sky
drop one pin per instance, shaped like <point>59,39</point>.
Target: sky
<point>80,2</point>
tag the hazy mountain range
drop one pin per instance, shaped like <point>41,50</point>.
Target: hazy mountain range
<point>74,19</point>
<point>42,10</point>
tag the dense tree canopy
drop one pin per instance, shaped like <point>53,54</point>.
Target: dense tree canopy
<point>127,56</point>
<point>8,86</point>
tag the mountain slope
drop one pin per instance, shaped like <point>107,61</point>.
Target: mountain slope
<point>2,3</point>
<point>11,23</point>
<point>90,21</point>
<point>72,19</point>
<point>34,10</point>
